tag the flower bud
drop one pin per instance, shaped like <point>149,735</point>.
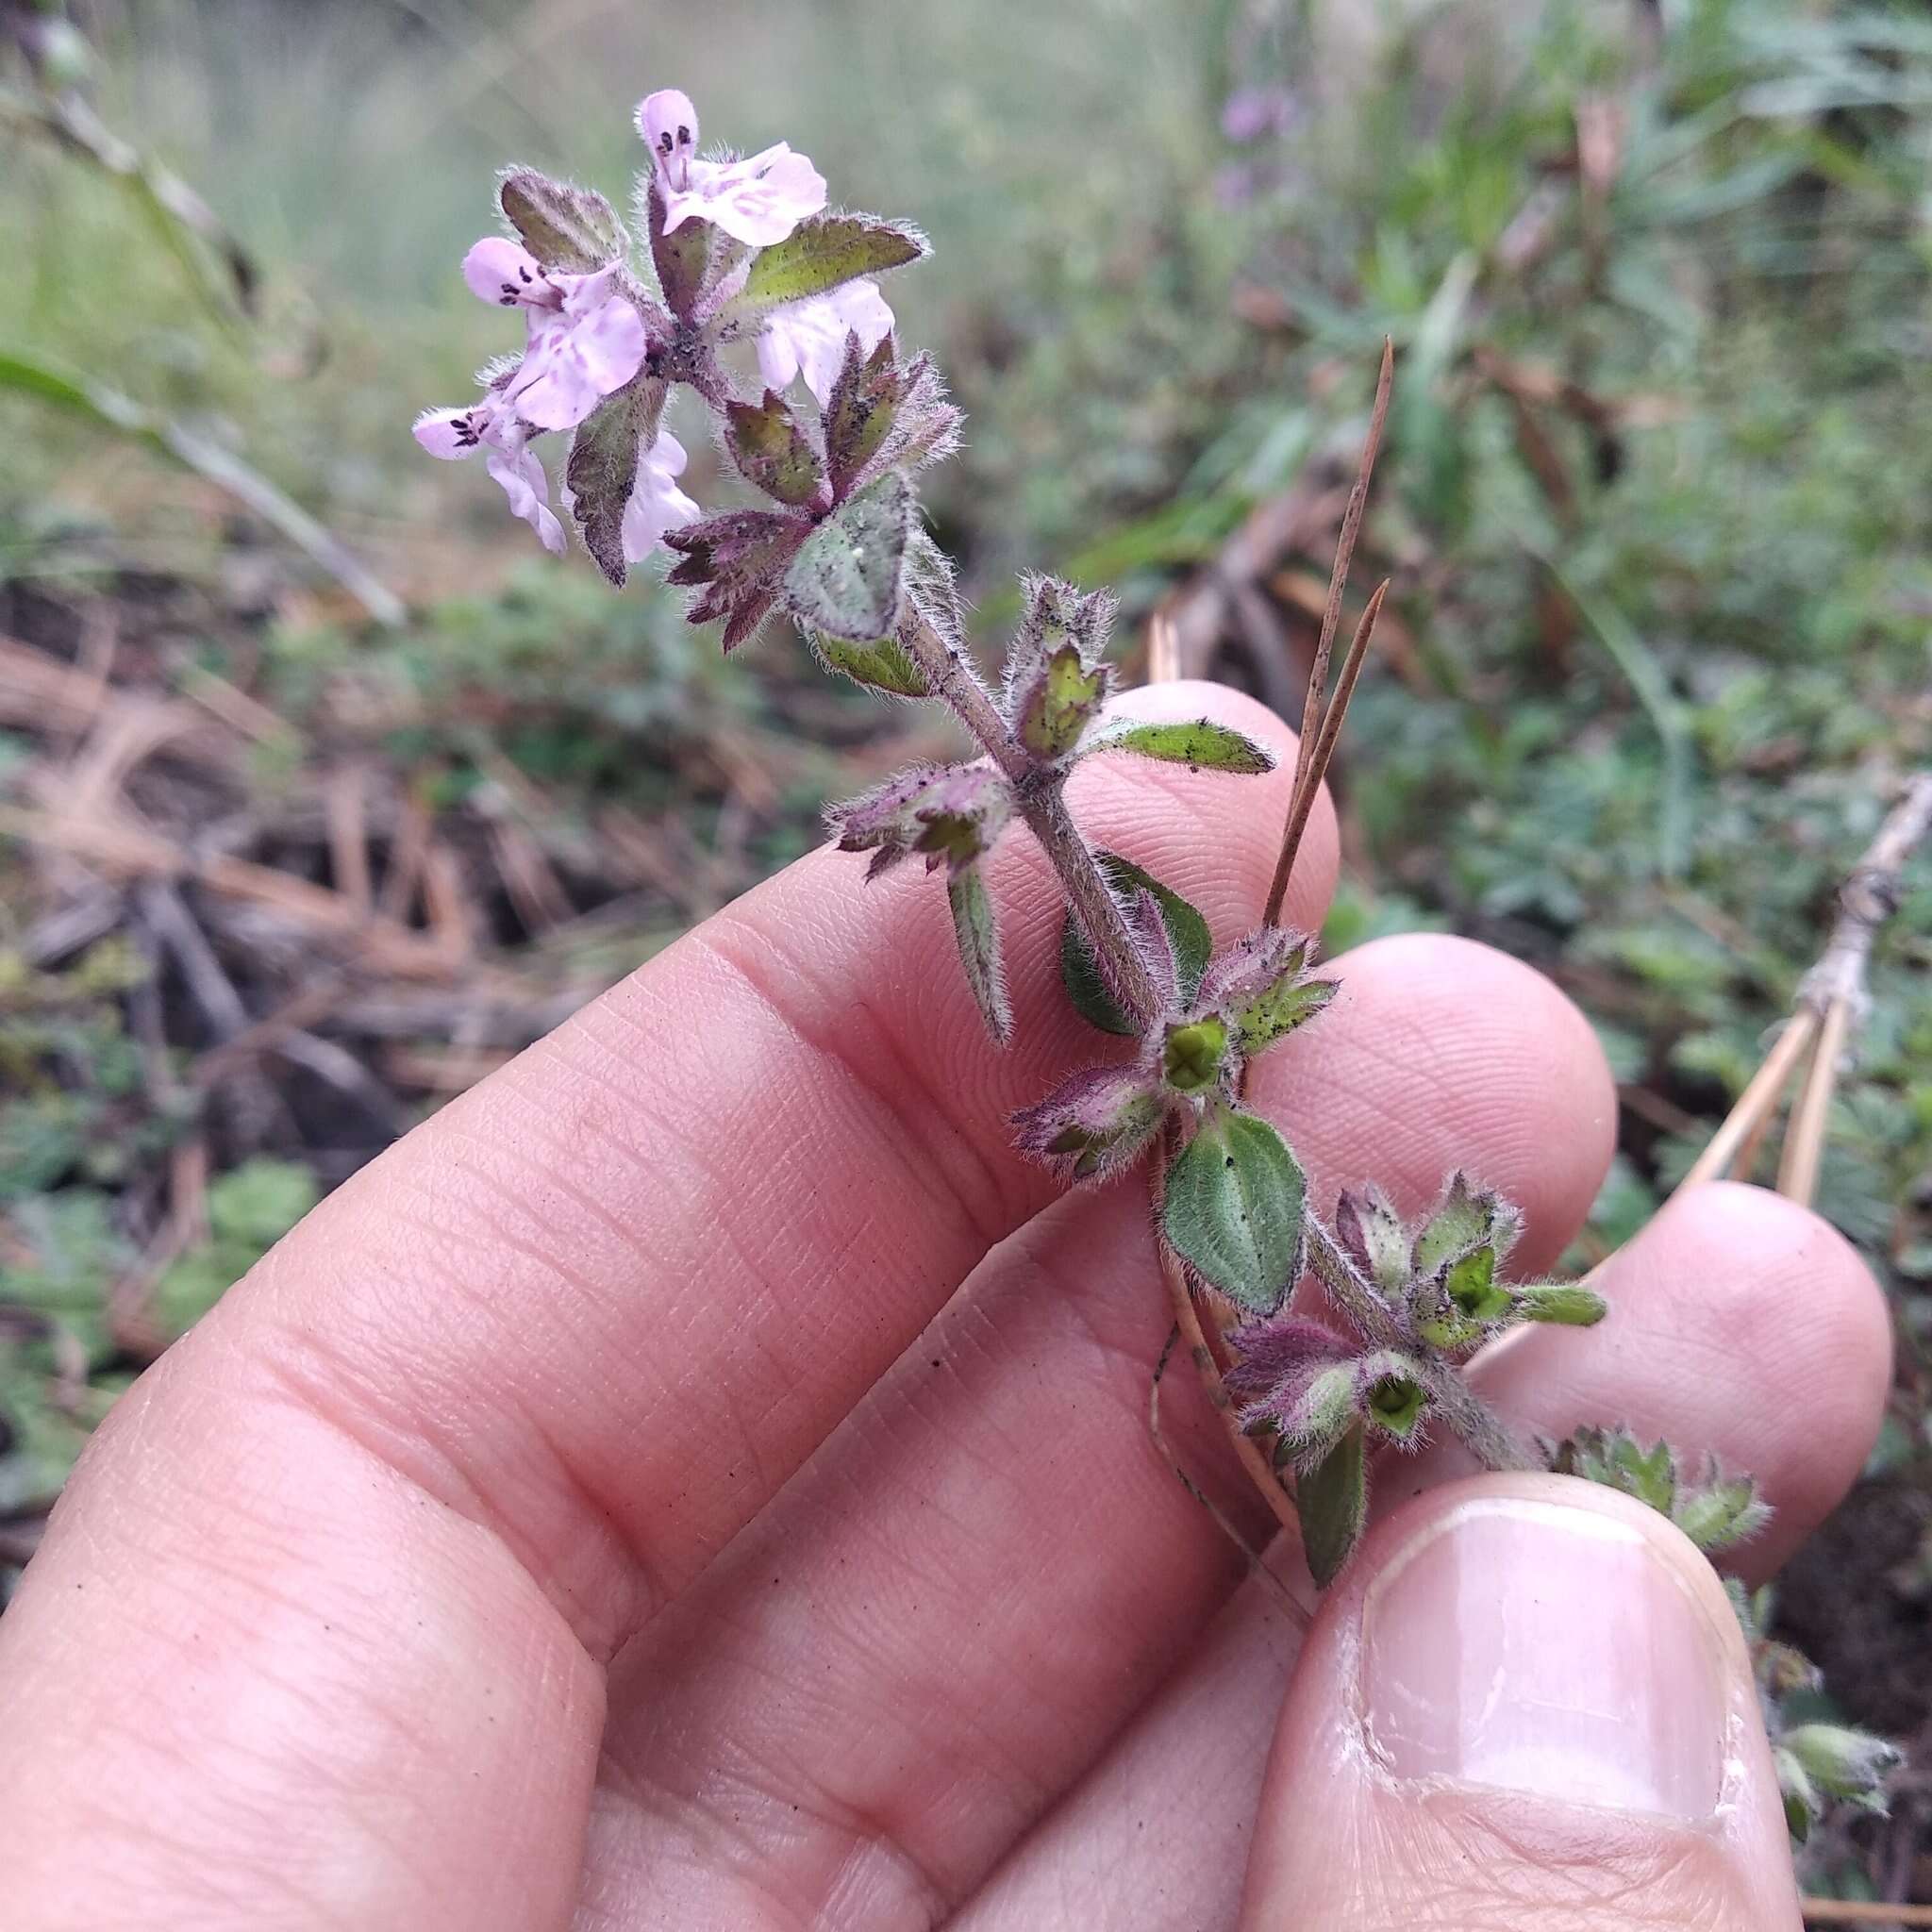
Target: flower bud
<point>1371,1234</point>
<point>1844,1763</point>
<point>1391,1395</point>
<point>1194,1056</point>
<point>1467,1218</point>
<point>951,813</point>
<point>1094,1125</point>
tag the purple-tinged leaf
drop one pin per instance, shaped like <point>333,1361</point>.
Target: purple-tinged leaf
<point>1296,1377</point>
<point>951,813</point>
<point>1187,936</point>
<point>864,407</point>
<point>1373,1236</point>
<point>773,453</point>
<point>738,560</point>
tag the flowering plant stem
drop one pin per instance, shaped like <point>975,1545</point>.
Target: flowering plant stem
<point>1039,797</point>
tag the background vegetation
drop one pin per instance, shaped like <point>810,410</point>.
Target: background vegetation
<point>283,865</point>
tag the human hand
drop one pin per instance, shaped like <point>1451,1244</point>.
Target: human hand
<point>701,1480</point>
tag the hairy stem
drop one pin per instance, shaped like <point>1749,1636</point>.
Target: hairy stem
<point>1480,1430</point>
<point>1353,1296</point>
<point>1041,797</point>
<point>1219,1516</point>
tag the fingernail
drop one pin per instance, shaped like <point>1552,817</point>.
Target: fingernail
<point>1538,1647</point>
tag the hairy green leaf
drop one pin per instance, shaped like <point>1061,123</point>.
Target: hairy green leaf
<point>823,254</point>
<point>1199,743</point>
<point>1234,1203</point>
<point>569,228</point>
<point>978,932</point>
<point>882,663</point>
<point>846,576</point>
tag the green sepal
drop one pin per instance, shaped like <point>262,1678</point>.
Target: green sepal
<point>1192,943</point>
<point>1287,1004</point>
<point>682,257</point>
<point>1332,1500</point>
<point>1194,1055</point>
<point>1234,1211</point>
<point>1464,1218</point>
<point>1065,699</point>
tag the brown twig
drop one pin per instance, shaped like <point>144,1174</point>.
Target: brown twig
<point>1757,1102</point>
<point>1829,1006</point>
<point>1301,807</point>
<point>1315,707</point>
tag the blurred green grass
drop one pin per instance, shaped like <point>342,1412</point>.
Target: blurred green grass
<point>1658,495</point>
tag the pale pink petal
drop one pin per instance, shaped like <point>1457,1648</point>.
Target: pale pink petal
<point>529,489</point>
<point>779,352</point>
<point>500,271</point>
<point>569,370</point>
<point>758,201</point>
<point>669,124</point>
<point>656,503</point>
<point>450,433</point>
<point>810,336</point>
<point>582,294</point>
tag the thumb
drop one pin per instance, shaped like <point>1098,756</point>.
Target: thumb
<point>1527,1703</point>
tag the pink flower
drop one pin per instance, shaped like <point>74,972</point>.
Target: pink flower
<point>492,426</point>
<point>809,338</point>
<point>586,339</point>
<point>656,503</point>
<point>758,201</point>
<point>569,369</point>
